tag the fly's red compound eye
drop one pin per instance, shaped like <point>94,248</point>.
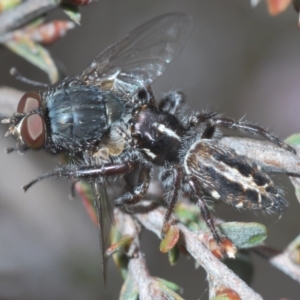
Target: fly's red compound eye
<point>29,102</point>
<point>33,131</point>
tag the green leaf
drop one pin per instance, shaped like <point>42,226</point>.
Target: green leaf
<point>8,4</point>
<point>168,288</point>
<point>244,235</point>
<point>293,139</point>
<point>189,216</point>
<point>293,250</point>
<point>296,183</point>
<point>120,259</point>
<point>170,239</point>
<point>186,213</point>
<point>121,246</point>
<point>173,255</point>
<point>129,290</point>
<point>35,54</point>
<point>170,285</point>
<point>72,12</point>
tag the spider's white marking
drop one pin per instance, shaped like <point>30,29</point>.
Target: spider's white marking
<point>259,198</point>
<point>163,129</point>
<point>215,195</point>
<point>186,167</point>
<point>239,205</point>
<point>149,153</point>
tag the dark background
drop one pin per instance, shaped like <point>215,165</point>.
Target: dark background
<point>238,61</point>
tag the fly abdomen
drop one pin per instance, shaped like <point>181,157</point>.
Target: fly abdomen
<point>79,116</point>
<point>232,178</point>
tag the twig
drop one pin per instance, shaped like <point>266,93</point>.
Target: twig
<point>276,258</point>
<point>219,275</point>
<point>148,286</point>
<point>24,13</point>
<point>279,260</point>
<point>270,157</point>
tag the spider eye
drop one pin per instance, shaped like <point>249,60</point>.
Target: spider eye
<point>29,102</point>
<point>33,131</point>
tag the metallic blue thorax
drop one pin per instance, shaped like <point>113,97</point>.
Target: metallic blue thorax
<point>81,115</point>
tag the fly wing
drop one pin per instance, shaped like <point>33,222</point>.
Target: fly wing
<point>105,219</point>
<point>141,56</point>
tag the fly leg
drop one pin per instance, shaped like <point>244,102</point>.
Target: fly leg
<point>140,189</point>
<point>87,172</point>
<point>92,173</point>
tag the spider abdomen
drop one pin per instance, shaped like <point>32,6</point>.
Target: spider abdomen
<point>232,178</point>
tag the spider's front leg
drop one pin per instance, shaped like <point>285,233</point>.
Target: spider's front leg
<point>197,197</point>
<point>212,123</point>
<point>139,190</point>
<point>172,102</point>
<point>171,180</point>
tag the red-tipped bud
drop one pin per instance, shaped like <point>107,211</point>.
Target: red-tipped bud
<point>50,32</point>
<point>227,293</point>
<point>276,7</point>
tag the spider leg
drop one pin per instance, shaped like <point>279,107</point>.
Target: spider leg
<point>202,118</point>
<point>197,196</point>
<point>247,128</point>
<point>172,102</point>
<point>172,185</point>
<point>140,189</point>
<point>72,190</point>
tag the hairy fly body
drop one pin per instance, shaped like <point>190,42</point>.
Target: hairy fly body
<point>108,123</point>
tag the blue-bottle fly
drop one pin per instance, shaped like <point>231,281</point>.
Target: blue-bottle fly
<point>85,117</point>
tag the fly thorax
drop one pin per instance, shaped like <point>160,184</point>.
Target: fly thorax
<point>81,116</point>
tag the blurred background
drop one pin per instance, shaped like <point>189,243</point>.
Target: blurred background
<point>239,61</point>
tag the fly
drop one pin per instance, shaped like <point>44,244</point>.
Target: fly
<point>83,117</point>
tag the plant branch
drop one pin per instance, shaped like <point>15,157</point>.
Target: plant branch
<point>279,260</point>
<point>219,275</point>
<point>148,286</point>
<point>23,13</point>
<point>269,156</point>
